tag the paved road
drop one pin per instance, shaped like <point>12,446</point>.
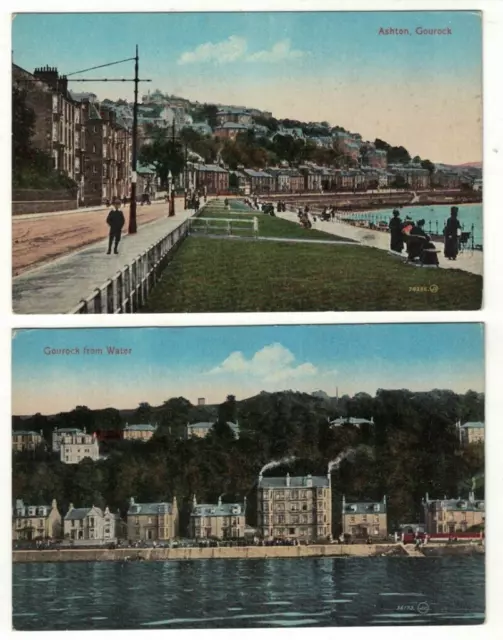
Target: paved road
<point>57,287</point>
<point>471,261</point>
<point>40,238</point>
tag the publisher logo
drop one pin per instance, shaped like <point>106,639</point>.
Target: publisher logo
<point>423,608</point>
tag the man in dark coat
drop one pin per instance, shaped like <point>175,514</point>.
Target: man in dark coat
<point>115,221</point>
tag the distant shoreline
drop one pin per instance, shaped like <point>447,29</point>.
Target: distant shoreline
<point>237,553</point>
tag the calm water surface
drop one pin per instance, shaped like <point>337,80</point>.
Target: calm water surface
<point>435,217</point>
<point>249,593</point>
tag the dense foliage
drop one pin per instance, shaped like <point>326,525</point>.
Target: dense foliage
<point>412,448</point>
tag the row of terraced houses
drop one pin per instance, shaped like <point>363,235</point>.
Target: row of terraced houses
<point>87,141</point>
<point>295,508</point>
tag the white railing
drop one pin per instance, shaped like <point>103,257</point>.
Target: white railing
<point>223,226</point>
<point>128,290</point>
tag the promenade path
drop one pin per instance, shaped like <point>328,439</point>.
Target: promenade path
<point>42,237</point>
<point>471,261</point>
<point>58,286</point>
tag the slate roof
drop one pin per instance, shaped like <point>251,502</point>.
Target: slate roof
<point>81,512</point>
<point>149,508</point>
<point>296,482</point>
<point>209,425</point>
<point>233,125</point>
<point>26,433</point>
<point>140,427</point>
<point>350,508</point>
<point>456,504</point>
<point>68,430</point>
<point>145,169</point>
<point>216,510</point>
<point>257,174</point>
<point>473,425</point>
<point>24,507</point>
<point>94,113</point>
<point>352,421</point>
<point>210,167</point>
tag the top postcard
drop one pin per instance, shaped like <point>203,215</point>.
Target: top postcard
<point>240,162</point>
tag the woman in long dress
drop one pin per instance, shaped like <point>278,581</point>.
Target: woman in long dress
<point>395,228</point>
<point>451,229</point>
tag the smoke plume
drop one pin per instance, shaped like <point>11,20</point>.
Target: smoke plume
<point>277,463</point>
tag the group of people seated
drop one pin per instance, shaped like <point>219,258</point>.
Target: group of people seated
<point>303,216</point>
<point>412,235</point>
<point>327,214</point>
<point>418,243</point>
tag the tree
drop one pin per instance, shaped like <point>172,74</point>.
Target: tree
<point>23,128</point>
<point>207,113</point>
<point>400,182</point>
<point>429,166</point>
<point>165,154</point>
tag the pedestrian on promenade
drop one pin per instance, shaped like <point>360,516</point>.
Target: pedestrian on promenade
<point>115,221</point>
<point>451,230</point>
<point>395,228</point>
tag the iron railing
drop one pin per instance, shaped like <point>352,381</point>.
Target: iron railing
<point>128,290</point>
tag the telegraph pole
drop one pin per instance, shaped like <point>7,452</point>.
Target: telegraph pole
<point>172,185</point>
<point>132,228</point>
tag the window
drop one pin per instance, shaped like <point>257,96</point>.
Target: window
<point>73,523</point>
<point>352,519</point>
<point>291,531</point>
<point>94,148</point>
<point>137,520</point>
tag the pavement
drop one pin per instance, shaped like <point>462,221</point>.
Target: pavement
<point>468,260</point>
<point>58,286</point>
<point>39,238</point>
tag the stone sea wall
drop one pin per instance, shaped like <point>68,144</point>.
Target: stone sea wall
<point>195,553</point>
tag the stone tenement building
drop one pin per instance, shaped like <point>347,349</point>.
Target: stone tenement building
<point>30,522</point>
<point>107,166</point>
<point>152,521</point>
<point>364,519</point>
<point>451,515</point>
<point>222,521</point>
<point>58,118</point>
<point>295,507</point>
<point>89,143</point>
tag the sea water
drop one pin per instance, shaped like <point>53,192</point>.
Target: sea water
<point>290,592</point>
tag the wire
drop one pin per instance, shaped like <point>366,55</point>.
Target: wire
<point>109,64</point>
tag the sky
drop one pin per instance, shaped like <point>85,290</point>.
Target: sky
<point>420,91</point>
<point>213,362</point>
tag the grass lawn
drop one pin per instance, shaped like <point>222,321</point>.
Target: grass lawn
<point>269,226</point>
<point>218,275</point>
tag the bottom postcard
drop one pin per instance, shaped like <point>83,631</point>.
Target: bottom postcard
<point>230,477</point>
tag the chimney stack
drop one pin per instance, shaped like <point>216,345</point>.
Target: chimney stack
<point>287,479</point>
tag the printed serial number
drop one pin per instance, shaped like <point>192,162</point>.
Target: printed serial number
<point>432,288</point>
